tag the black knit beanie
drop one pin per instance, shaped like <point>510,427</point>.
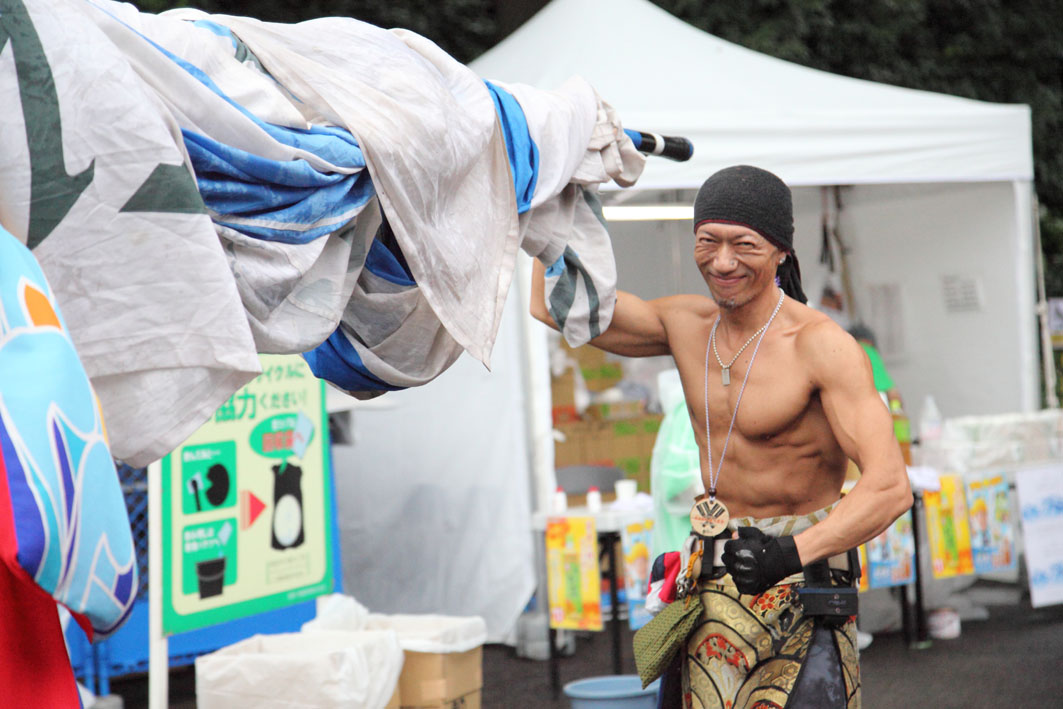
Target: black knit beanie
<point>757,199</point>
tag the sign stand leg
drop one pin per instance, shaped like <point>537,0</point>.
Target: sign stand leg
<point>158,646</point>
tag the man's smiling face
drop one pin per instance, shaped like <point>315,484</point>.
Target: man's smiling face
<point>736,262</point>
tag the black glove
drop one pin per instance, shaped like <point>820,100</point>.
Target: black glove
<point>757,562</point>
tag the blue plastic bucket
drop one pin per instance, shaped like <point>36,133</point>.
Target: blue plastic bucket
<point>612,692</point>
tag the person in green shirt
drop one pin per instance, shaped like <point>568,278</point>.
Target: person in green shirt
<point>883,381</point>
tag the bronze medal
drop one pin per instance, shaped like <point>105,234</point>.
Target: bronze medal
<point>708,517</point>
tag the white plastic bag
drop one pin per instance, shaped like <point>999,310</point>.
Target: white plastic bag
<point>322,669</point>
<point>338,611</point>
<point>432,633</point>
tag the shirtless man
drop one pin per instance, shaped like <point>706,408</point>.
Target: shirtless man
<point>807,404</point>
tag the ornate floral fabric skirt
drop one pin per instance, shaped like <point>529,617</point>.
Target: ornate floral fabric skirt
<point>762,652</point>
<point>748,652</point>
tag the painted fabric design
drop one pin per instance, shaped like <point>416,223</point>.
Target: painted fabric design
<point>748,651</point>
<point>326,187</point>
<point>70,528</point>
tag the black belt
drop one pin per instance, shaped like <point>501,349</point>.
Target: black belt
<point>840,570</point>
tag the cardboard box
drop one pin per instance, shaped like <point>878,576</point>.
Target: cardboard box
<point>602,377</point>
<point>599,371</point>
<point>572,450</point>
<point>586,356</point>
<point>564,414</point>
<point>642,478</point>
<point>432,679</point>
<point>394,702</point>
<point>563,389</point>
<point>598,443</point>
<point>617,410</point>
<point>468,701</point>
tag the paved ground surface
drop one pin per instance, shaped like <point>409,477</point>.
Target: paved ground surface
<point>1014,658</point>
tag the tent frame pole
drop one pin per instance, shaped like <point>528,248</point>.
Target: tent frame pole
<point>1047,360</point>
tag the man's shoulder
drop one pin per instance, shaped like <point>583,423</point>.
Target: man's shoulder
<point>815,329</point>
<point>827,349</point>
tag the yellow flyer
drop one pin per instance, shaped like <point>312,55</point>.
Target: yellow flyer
<point>865,583</point>
<point>572,573</point>
<point>992,528</point>
<point>891,555</point>
<point>635,542</point>
<point>947,529</point>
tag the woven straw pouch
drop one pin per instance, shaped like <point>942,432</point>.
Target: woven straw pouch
<point>657,642</point>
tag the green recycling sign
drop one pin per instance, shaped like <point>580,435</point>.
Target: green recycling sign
<point>247,503</point>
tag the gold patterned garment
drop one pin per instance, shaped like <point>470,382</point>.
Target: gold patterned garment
<point>747,652</point>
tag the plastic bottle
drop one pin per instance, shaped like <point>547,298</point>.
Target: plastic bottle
<point>902,429</point>
<point>929,421</point>
<point>594,500</point>
<point>560,501</point>
<point>930,429</point>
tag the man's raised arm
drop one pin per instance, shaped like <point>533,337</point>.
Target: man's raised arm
<point>636,329</point>
<point>864,429</point>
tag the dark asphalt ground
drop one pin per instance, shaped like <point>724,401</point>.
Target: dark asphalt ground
<point>1012,659</point>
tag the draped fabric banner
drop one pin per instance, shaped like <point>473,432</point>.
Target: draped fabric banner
<point>200,188</point>
<point>69,531</point>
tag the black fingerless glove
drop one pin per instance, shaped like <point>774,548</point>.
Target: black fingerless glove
<point>757,562</point>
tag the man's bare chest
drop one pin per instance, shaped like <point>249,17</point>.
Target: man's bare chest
<point>772,400</point>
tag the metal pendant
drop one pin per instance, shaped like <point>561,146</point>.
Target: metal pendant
<point>708,516</point>
<point>725,375</point>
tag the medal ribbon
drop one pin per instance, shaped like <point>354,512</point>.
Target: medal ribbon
<point>714,476</point>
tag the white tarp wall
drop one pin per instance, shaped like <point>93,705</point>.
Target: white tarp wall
<point>434,493</point>
<point>942,194</point>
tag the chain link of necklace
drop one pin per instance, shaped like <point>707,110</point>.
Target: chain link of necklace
<point>714,476</point>
<point>727,367</point>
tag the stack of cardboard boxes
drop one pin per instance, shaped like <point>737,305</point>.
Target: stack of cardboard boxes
<point>432,680</point>
<point>618,433</point>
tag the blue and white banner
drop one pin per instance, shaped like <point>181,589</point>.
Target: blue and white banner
<point>1041,501</point>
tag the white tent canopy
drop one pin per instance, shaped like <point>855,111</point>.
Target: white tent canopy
<point>737,106</point>
<point>937,217</point>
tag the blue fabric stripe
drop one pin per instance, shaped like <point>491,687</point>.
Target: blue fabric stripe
<point>220,30</point>
<point>336,145</point>
<point>522,151</point>
<point>287,201</point>
<point>29,527</point>
<point>337,361</point>
<point>381,262</point>
<point>556,268</point>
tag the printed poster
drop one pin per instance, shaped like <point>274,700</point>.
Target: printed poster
<point>574,583</point>
<point>947,530</point>
<point>891,555</point>
<point>992,529</point>
<point>635,543</point>
<point>1041,501</point>
<point>246,502</point>
<point>865,583</point>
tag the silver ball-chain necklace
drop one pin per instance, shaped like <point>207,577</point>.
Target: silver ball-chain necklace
<point>709,516</point>
<point>725,369</point>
